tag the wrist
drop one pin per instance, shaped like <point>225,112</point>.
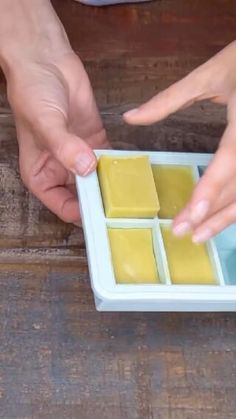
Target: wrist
<point>29,30</point>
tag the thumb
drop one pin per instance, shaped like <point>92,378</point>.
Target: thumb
<point>180,94</point>
<point>69,149</point>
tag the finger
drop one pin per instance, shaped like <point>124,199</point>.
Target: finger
<point>209,195</point>
<point>199,84</point>
<point>70,150</point>
<point>216,189</point>
<point>62,202</point>
<point>231,108</point>
<point>215,224</point>
<point>181,224</point>
<point>47,179</point>
<point>99,140</point>
<point>227,196</point>
<point>85,119</point>
<point>181,94</point>
<point>217,177</point>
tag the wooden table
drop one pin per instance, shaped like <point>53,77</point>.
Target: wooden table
<point>59,358</point>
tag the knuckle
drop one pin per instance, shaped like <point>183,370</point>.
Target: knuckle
<point>24,175</point>
<point>65,219</point>
<point>63,216</point>
<point>60,150</point>
<point>30,181</point>
<point>42,126</point>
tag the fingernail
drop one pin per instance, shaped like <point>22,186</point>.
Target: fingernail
<point>199,211</point>
<point>131,112</point>
<point>181,229</point>
<point>85,164</point>
<point>203,236</point>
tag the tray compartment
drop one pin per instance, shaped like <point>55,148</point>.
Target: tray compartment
<point>189,263</point>
<point>174,185</point>
<point>124,235</point>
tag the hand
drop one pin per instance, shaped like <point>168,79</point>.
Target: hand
<point>57,122</point>
<point>213,203</point>
<point>56,116</point>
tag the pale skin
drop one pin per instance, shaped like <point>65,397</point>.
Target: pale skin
<point>56,116</point>
<point>58,124</point>
<point>213,203</point>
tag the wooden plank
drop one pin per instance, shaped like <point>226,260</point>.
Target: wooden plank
<point>58,353</point>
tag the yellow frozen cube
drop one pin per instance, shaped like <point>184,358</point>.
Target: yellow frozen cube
<point>133,256</point>
<point>188,263</point>
<point>174,185</point>
<point>127,186</point>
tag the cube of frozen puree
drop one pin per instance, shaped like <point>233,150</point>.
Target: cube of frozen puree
<point>133,256</point>
<point>127,186</point>
<point>188,263</point>
<point>174,186</point>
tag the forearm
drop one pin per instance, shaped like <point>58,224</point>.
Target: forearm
<point>29,29</point>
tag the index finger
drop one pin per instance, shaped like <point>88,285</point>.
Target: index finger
<point>181,94</point>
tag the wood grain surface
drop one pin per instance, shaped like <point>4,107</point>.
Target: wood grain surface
<point>59,358</point>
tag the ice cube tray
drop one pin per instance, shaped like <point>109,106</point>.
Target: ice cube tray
<point>165,295</point>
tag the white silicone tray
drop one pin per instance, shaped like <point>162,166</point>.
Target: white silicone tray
<point>165,296</point>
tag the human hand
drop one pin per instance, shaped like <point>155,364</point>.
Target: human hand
<point>213,203</point>
<point>56,117</point>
